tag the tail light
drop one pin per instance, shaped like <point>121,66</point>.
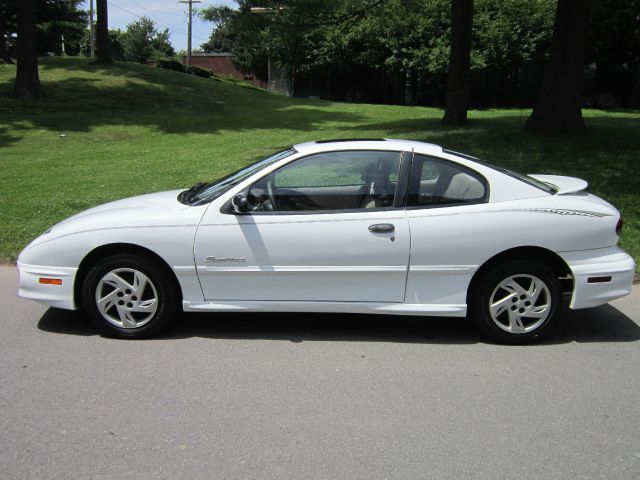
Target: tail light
<point>619,226</point>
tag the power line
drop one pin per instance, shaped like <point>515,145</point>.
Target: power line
<point>177,30</point>
<point>150,10</point>
<point>172,27</point>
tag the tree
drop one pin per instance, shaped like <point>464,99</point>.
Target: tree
<point>615,40</point>
<point>557,109</point>
<point>225,36</point>
<point>457,100</point>
<point>403,41</point>
<point>103,50</point>
<point>27,78</point>
<point>116,38</point>
<point>142,41</point>
<point>58,18</point>
<point>392,51</point>
<point>55,19</point>
<point>510,47</point>
<point>4,16</point>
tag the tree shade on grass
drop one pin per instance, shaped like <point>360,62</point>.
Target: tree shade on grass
<point>132,129</point>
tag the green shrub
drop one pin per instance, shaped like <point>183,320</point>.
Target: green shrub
<point>170,64</point>
<point>198,72</point>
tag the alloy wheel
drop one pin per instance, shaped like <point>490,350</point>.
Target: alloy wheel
<point>520,303</point>
<point>126,298</point>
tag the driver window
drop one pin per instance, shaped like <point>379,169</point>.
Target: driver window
<point>329,181</point>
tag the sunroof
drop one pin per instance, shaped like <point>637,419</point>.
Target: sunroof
<point>352,140</point>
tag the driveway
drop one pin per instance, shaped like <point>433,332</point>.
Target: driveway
<point>299,396</point>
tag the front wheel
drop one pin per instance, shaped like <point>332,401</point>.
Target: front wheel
<point>129,296</point>
<point>517,302</point>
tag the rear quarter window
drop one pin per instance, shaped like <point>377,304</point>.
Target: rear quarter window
<point>517,175</point>
<point>437,182</point>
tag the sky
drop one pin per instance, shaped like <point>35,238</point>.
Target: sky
<point>167,14</point>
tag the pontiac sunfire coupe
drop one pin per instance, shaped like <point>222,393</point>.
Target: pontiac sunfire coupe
<point>359,226</point>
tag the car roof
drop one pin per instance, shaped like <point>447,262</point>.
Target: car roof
<point>368,144</point>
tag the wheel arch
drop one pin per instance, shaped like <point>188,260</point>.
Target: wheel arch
<point>107,250</point>
<point>539,254</point>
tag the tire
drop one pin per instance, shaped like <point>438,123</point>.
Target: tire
<point>129,296</point>
<point>517,302</point>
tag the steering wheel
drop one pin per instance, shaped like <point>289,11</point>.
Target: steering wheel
<point>271,194</point>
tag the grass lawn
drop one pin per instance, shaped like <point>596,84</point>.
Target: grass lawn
<point>103,134</point>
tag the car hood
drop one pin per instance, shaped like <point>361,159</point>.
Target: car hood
<point>562,184</point>
<point>154,209</point>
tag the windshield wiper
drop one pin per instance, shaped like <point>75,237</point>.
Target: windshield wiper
<point>187,195</point>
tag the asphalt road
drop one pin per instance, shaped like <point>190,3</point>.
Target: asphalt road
<point>317,397</point>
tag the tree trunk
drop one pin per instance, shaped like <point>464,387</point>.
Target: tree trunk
<point>4,55</point>
<point>407,88</point>
<point>557,109</point>
<point>457,96</point>
<point>27,78</point>
<point>635,93</point>
<point>103,50</point>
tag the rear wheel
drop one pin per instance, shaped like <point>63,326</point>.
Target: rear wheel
<point>129,296</point>
<point>517,302</point>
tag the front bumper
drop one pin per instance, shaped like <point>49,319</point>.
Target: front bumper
<point>599,276</point>
<point>60,296</point>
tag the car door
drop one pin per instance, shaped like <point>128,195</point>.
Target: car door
<point>328,227</point>
<point>444,204</point>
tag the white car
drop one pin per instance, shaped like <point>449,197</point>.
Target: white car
<point>357,226</point>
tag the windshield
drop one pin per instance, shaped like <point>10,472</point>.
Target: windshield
<point>203,193</point>
<point>520,176</point>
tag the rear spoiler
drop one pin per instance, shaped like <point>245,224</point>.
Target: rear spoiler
<point>562,184</point>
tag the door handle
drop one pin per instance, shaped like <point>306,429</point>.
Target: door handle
<point>382,228</point>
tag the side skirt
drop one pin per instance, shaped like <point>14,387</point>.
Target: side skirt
<point>328,307</point>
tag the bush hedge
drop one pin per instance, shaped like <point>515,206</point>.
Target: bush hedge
<point>198,71</point>
<point>170,64</point>
<point>236,81</point>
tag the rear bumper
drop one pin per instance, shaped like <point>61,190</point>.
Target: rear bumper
<point>599,275</point>
<point>60,296</point>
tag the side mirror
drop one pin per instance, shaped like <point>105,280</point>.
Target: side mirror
<point>240,203</point>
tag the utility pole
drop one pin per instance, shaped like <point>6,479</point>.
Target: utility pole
<point>92,30</point>
<point>190,2</point>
